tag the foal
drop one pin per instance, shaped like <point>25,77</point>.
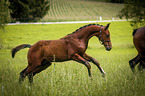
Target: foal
<point>70,47</point>
<point>139,43</point>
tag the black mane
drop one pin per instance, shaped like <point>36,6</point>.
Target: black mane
<point>84,27</point>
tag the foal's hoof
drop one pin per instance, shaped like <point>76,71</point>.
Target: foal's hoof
<point>91,78</point>
<point>30,76</point>
<point>21,79</point>
<point>103,75</point>
<point>132,69</point>
<point>140,68</point>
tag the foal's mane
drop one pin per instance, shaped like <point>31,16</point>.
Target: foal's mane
<point>84,27</point>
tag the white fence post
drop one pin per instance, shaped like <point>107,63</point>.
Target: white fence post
<point>100,18</point>
<point>112,19</point>
<point>97,19</point>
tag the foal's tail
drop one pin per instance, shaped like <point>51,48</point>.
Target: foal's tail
<point>134,31</point>
<point>14,50</point>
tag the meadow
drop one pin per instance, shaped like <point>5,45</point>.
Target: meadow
<point>70,10</point>
<point>70,78</point>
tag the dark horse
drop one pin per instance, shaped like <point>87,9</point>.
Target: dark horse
<point>139,42</point>
<point>70,47</point>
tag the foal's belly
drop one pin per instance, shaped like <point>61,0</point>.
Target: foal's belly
<point>55,50</point>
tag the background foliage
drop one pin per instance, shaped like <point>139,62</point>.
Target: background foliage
<point>134,10</point>
<point>115,1</point>
<point>28,10</point>
<point>4,13</point>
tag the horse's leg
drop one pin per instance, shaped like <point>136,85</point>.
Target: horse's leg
<point>143,65</point>
<point>31,67</point>
<point>29,70</point>
<point>134,62</point>
<point>80,59</point>
<point>44,65</point>
<point>22,76</point>
<point>140,66</point>
<point>30,77</point>
<point>93,60</point>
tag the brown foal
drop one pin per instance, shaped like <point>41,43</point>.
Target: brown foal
<point>70,47</point>
<point>139,43</point>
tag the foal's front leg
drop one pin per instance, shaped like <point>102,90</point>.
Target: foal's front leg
<point>80,59</point>
<point>134,62</point>
<point>141,66</point>
<point>93,60</point>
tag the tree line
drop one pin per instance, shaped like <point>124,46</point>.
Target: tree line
<point>28,10</point>
<point>34,10</point>
<point>115,1</point>
<point>22,10</point>
<point>134,10</point>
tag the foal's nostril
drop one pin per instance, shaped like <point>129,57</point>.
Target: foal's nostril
<point>108,48</point>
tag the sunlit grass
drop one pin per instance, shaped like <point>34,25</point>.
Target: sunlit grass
<point>70,78</point>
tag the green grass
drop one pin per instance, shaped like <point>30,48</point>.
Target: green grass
<point>70,78</point>
<point>70,10</point>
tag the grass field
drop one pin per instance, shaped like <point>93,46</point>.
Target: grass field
<point>68,10</point>
<point>70,78</point>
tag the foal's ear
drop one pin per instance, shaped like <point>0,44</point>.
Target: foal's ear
<point>107,26</point>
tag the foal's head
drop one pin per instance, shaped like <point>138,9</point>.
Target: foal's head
<point>104,37</point>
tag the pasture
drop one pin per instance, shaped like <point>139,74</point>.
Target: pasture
<point>70,78</point>
<point>70,10</point>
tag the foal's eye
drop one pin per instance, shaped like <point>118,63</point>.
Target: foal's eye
<point>107,36</point>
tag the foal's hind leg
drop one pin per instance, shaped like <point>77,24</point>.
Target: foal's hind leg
<point>22,76</point>
<point>134,62</point>
<point>43,66</point>
<point>32,66</point>
<point>93,60</point>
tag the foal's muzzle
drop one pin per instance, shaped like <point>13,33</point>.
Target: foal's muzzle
<point>108,48</point>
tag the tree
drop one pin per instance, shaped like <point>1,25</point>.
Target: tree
<point>4,13</point>
<point>28,10</point>
<point>115,1</point>
<point>135,10</point>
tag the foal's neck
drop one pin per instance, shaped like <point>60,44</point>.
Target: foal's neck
<point>86,33</point>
